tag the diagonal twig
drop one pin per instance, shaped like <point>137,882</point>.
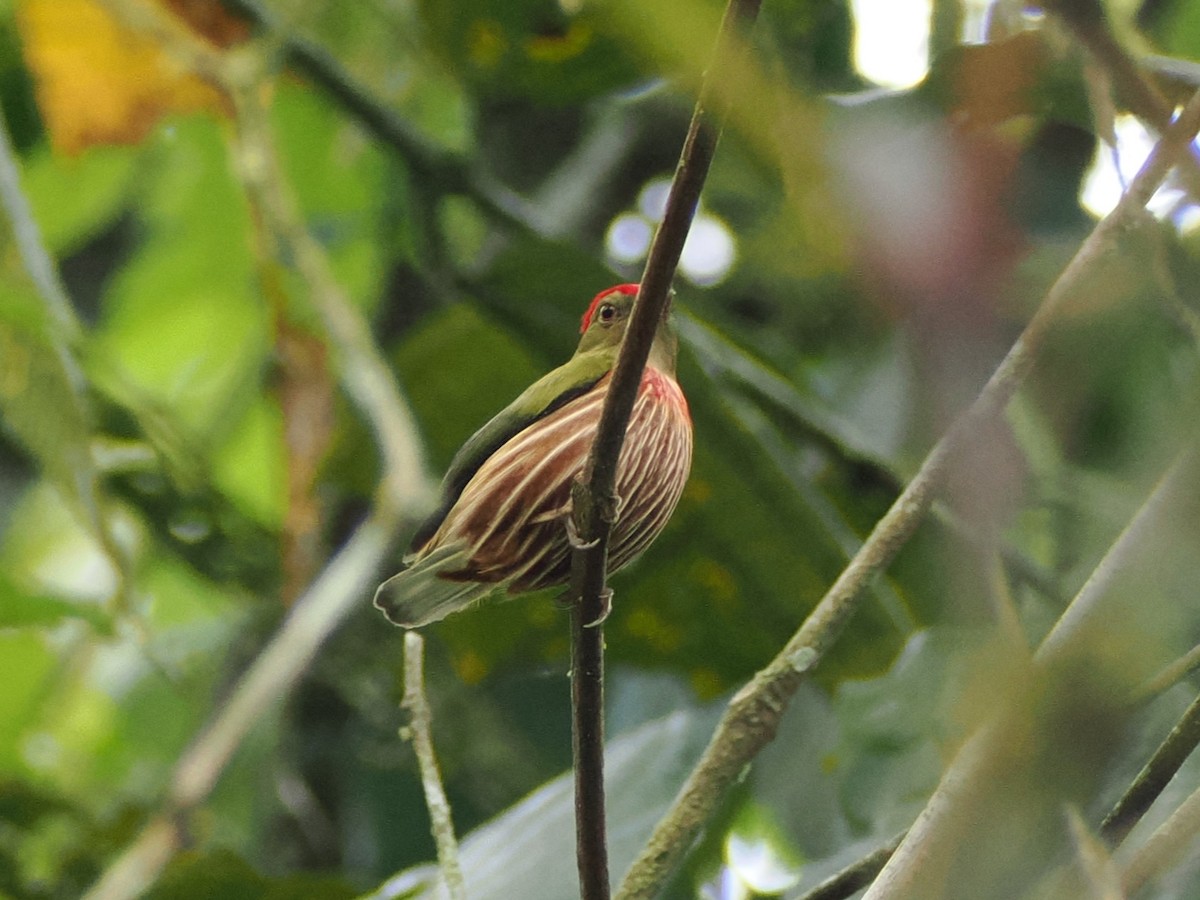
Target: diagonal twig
<point>976,760</point>
<point>1153,778</point>
<point>753,715</point>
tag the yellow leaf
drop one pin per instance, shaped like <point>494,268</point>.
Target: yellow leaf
<point>99,83</point>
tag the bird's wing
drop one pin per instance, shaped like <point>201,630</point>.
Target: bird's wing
<point>550,392</point>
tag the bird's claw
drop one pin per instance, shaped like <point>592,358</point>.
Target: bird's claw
<point>609,507</point>
<point>573,537</point>
<point>567,600</point>
<point>606,596</point>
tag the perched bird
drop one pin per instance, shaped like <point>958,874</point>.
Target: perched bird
<point>506,500</point>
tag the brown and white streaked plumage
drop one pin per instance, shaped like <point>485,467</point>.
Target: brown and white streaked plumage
<point>507,495</point>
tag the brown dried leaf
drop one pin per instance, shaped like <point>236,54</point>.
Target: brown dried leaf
<point>97,82</point>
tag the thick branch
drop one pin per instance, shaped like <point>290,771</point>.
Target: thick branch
<point>754,713</point>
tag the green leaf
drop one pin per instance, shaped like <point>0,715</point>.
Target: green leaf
<point>338,178</point>
<point>26,662</point>
<point>20,609</point>
<point>75,198</point>
<point>870,433</point>
<point>180,320</point>
<point>38,375</point>
<point>534,49</point>
<point>203,876</point>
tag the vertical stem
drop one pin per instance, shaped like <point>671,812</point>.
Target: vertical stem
<point>420,730</point>
<point>594,502</point>
<point>587,745</point>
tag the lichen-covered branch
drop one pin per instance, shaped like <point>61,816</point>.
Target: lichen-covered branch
<point>420,731</point>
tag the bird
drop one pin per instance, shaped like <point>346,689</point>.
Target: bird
<point>502,523</point>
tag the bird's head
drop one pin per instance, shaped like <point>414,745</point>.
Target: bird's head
<point>603,326</point>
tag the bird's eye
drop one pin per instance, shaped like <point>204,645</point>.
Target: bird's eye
<point>608,312</point>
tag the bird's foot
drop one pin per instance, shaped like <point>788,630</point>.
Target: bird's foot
<point>606,596</point>
<point>574,538</point>
<point>609,508</point>
<point>567,600</point>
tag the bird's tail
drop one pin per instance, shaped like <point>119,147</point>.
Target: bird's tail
<point>418,596</point>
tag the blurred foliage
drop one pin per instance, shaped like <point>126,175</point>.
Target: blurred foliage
<point>154,501</point>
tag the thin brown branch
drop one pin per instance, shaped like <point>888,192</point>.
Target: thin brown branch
<point>754,713</point>
<point>594,499</point>
<point>420,731</point>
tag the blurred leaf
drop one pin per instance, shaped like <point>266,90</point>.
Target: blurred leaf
<point>48,845</point>
<point>869,431</point>
<point>98,82</point>
<point>537,49</point>
<point>26,662</point>
<point>181,320</point>
<point>20,609</point>
<point>1029,74</point>
<point>249,467</point>
<point>74,199</point>
<point>36,375</point>
<point>203,876</point>
<point>1175,28</point>
<point>338,178</point>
